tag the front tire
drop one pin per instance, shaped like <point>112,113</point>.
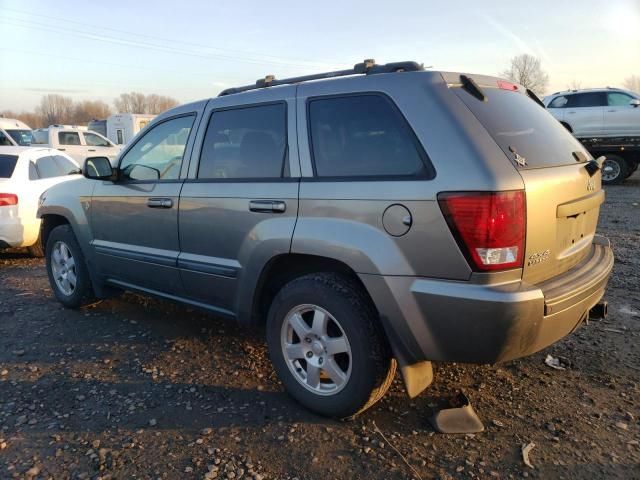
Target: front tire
<point>66,268</point>
<point>614,170</point>
<point>327,346</point>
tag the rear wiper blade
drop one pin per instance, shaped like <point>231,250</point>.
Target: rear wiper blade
<point>470,85</point>
<point>535,98</point>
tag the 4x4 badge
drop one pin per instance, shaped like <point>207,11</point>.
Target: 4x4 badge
<point>591,185</point>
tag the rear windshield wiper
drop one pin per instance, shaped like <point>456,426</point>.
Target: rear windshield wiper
<point>535,98</point>
<point>470,85</point>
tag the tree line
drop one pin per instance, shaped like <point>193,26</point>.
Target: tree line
<point>58,109</point>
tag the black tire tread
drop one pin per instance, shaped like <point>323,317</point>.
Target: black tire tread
<point>385,364</point>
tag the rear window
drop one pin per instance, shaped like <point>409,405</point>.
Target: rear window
<point>23,137</point>
<point>363,136</point>
<point>40,137</point>
<point>7,165</point>
<point>520,125</point>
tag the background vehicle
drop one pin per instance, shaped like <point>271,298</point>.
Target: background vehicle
<point>98,126</point>
<point>122,127</point>
<point>607,122</point>
<point>14,132</point>
<point>336,212</point>
<point>25,173</point>
<point>77,142</point>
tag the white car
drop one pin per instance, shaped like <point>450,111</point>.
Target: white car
<point>25,173</point>
<point>77,142</point>
<point>597,112</point>
<point>14,133</point>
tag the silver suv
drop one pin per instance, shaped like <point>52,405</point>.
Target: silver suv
<point>375,217</point>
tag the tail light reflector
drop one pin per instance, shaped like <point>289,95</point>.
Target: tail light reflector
<point>7,199</point>
<point>488,226</point>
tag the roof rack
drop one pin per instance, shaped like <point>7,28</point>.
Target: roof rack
<point>368,67</point>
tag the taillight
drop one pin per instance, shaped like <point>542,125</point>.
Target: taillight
<point>488,226</point>
<point>7,199</point>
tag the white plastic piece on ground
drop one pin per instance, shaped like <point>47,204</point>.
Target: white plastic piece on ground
<point>553,362</point>
<point>525,453</point>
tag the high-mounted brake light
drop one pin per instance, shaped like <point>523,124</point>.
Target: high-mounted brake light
<point>504,85</point>
<point>488,226</point>
<point>7,199</point>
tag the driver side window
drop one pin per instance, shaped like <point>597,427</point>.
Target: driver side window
<point>158,154</point>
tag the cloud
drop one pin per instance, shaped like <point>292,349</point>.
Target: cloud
<point>55,90</point>
<point>532,48</point>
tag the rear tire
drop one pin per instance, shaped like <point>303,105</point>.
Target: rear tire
<point>327,345</point>
<point>66,268</point>
<point>614,170</point>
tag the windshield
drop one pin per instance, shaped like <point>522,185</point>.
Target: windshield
<point>22,137</point>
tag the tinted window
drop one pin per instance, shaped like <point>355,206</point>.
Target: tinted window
<point>558,102</point>
<point>517,122</point>
<point>158,153</point>
<point>33,171</point>
<point>360,136</point>
<point>582,100</point>
<point>69,138</point>
<point>7,165</point>
<point>5,141</point>
<point>617,99</point>
<point>40,137</point>
<point>94,140</point>
<point>47,167</point>
<point>245,143</point>
<point>22,137</point>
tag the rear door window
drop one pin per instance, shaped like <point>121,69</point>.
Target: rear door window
<point>558,102</point>
<point>7,165</point>
<point>519,124</point>
<point>48,167</point>
<point>363,136</point>
<point>69,138</point>
<point>584,100</point>
<point>247,142</point>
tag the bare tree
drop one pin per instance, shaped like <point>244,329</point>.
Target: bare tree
<point>156,104</point>
<point>133,102</point>
<point>88,110</point>
<point>55,108</point>
<point>32,119</point>
<point>632,83</point>
<point>527,70</point>
<point>574,85</point>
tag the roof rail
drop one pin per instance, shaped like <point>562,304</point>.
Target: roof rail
<point>368,67</point>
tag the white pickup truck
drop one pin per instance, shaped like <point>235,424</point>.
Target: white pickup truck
<point>77,142</point>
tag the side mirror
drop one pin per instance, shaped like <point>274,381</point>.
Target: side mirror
<point>98,168</point>
<point>635,102</point>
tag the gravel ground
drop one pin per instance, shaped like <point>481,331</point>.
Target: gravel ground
<point>134,387</point>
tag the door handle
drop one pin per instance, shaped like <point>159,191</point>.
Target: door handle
<point>159,203</point>
<point>611,111</point>
<point>92,149</point>
<point>267,206</point>
<point>61,149</point>
<point>571,113</point>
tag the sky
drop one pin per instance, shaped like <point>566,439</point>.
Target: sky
<point>193,49</point>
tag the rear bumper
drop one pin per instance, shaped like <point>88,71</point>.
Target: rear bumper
<point>452,321</point>
<point>11,232</point>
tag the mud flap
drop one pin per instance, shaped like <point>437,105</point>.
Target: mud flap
<point>460,419</point>
<point>417,377</point>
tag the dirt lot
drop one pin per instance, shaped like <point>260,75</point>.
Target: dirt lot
<point>139,388</point>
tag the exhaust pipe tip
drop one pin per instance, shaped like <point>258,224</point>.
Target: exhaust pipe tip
<point>599,311</point>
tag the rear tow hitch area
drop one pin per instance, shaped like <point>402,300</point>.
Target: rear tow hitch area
<point>460,418</point>
<point>599,311</point>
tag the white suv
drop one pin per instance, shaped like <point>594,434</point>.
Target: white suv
<point>597,112</point>
<point>77,142</point>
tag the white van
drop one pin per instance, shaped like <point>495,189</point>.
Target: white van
<point>122,127</point>
<point>14,133</point>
